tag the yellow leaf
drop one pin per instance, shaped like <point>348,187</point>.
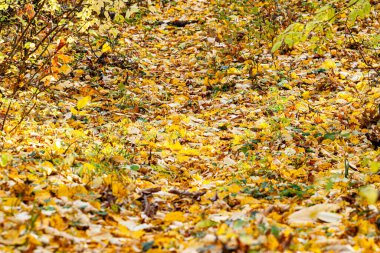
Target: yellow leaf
<point>10,202</point>
<point>5,159</point>
<point>88,167</point>
<point>14,239</point>
<point>197,177</point>
<point>63,191</point>
<point>33,240</point>
<point>308,81</point>
<point>190,152</point>
<point>65,69</point>
<point>222,229</point>
<point>206,81</point>
<point>48,167</point>
<point>238,139</point>
<point>234,188</point>
<point>123,230</point>
<point>374,166</point>
<point>233,71</point>
<point>73,111</point>
<point>306,94</point>
<point>42,195</point>
<point>83,102</point>
<point>328,64</point>
<point>180,99</point>
<point>182,158</point>
<point>247,200</point>
<point>195,208</point>
<point>176,146</point>
<point>369,194</point>
<point>30,45</point>
<point>78,72</point>
<point>261,124</point>
<point>118,159</point>
<point>272,242</point>
<point>364,226</point>
<point>118,189</point>
<point>175,216</point>
<point>106,48</point>
<point>287,86</point>
<point>79,190</point>
<point>2,57</point>
<point>152,8</point>
<point>219,75</point>
<point>303,107</point>
<point>65,58</point>
<point>57,222</point>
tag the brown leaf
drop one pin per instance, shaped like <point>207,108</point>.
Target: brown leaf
<point>193,195</point>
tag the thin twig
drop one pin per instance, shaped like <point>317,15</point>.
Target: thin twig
<point>26,28</point>
<point>6,115</point>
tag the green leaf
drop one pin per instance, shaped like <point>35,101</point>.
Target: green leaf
<point>352,17</point>
<point>289,41</point>
<point>118,18</point>
<point>275,231</point>
<point>239,223</point>
<point>353,2</point>
<point>5,159</point>
<point>361,9</point>
<point>366,8</point>
<point>29,45</point>
<point>147,246</point>
<point>375,39</point>
<point>276,46</point>
<point>309,27</point>
<point>330,136</point>
<point>132,10</point>
<point>134,167</point>
<point>326,13</point>
<point>205,224</point>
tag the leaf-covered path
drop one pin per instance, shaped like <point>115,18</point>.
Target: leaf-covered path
<point>206,142</point>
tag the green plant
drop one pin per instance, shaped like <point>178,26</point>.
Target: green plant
<point>321,23</point>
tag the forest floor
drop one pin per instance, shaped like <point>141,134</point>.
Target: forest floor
<point>203,141</point>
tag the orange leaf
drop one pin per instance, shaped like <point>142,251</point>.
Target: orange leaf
<point>175,216</point>
<point>29,9</point>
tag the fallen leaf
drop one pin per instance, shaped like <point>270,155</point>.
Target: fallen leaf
<point>310,214</point>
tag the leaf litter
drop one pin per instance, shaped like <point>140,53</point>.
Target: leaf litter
<point>207,143</point>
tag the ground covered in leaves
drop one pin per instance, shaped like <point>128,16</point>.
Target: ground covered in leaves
<point>187,135</point>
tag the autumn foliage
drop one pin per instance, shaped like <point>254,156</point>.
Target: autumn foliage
<point>189,126</point>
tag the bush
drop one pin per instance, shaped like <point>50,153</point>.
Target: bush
<point>32,38</point>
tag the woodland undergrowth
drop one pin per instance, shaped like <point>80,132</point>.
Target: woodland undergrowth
<point>189,126</point>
